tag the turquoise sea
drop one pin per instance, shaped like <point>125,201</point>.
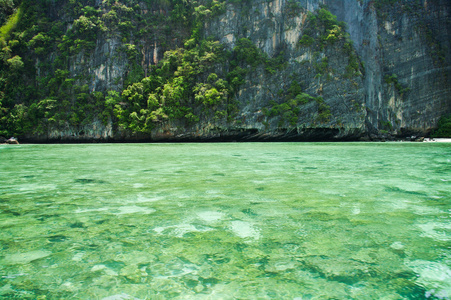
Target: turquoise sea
<point>226,221</point>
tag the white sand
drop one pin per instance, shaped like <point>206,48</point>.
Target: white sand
<point>439,140</point>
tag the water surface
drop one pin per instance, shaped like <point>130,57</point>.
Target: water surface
<point>226,221</point>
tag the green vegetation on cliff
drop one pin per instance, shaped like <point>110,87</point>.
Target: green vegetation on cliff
<point>321,30</point>
<point>7,8</point>
<point>143,67</point>
<point>196,79</point>
<point>443,128</point>
<point>38,86</point>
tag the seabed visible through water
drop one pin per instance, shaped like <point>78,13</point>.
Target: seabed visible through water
<point>226,221</point>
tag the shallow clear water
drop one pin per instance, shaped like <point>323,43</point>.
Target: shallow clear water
<point>226,221</point>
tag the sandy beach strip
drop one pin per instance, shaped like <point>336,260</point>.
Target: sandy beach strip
<point>438,140</point>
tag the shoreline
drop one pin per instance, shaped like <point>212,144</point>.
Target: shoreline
<point>425,140</point>
<point>437,140</point>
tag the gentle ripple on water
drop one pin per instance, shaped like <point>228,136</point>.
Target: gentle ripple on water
<point>226,221</point>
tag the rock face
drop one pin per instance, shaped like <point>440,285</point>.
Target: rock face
<point>408,43</point>
<point>405,85</point>
<point>275,29</point>
<point>10,141</point>
<point>393,79</point>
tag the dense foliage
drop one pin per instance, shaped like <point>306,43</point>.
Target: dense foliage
<point>182,87</point>
<point>7,8</point>
<point>444,128</point>
<point>41,38</point>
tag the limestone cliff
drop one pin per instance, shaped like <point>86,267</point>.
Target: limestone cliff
<point>405,48</point>
<point>238,70</point>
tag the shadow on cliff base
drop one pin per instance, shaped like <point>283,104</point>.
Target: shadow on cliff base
<point>216,135</point>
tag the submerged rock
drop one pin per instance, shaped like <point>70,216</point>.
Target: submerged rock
<point>25,257</point>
